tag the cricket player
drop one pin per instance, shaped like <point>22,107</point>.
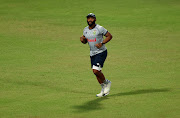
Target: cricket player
<point>93,34</point>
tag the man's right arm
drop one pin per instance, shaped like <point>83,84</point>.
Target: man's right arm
<point>83,39</point>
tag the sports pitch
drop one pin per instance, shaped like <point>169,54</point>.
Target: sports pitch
<point>45,69</point>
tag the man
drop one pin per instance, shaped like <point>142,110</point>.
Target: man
<point>93,34</point>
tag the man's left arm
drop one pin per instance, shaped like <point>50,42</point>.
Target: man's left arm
<point>107,39</point>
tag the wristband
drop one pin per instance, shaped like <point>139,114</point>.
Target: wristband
<point>102,43</point>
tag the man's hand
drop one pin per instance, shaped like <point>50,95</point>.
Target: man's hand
<point>107,39</point>
<point>99,45</point>
<point>83,39</point>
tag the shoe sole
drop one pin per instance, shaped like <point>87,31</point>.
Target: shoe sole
<point>106,94</point>
<point>103,95</point>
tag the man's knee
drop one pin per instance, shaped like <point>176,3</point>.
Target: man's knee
<point>96,71</point>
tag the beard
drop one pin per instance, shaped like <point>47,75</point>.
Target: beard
<point>91,23</point>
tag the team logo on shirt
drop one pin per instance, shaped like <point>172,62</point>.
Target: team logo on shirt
<point>91,40</point>
<point>94,32</point>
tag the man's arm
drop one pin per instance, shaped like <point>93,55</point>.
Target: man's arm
<point>83,39</point>
<point>107,39</point>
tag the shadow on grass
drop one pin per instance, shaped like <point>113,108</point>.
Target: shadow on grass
<point>90,105</point>
<point>143,91</point>
<point>97,105</point>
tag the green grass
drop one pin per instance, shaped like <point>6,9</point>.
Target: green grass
<point>45,70</point>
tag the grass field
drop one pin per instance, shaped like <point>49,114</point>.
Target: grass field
<point>45,70</point>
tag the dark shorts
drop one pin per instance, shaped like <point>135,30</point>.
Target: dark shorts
<point>99,59</point>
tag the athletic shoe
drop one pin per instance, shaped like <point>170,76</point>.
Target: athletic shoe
<point>101,94</point>
<point>107,87</point>
<point>105,94</point>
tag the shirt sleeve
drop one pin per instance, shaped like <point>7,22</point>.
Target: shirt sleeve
<point>84,32</point>
<point>103,30</point>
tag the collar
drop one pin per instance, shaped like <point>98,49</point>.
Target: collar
<point>93,27</point>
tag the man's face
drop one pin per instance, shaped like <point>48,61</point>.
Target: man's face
<point>91,21</point>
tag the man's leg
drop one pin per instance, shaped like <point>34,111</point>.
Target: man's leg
<point>97,62</point>
<point>99,80</point>
<point>99,75</point>
<point>105,84</point>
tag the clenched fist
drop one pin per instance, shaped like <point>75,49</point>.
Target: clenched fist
<point>99,45</point>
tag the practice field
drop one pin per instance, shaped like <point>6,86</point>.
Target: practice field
<point>45,69</point>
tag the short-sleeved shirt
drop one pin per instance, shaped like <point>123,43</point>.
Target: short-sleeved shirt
<point>95,36</point>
